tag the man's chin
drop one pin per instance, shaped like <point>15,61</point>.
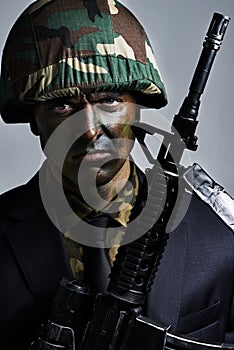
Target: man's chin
<point>90,179</point>
<point>95,177</point>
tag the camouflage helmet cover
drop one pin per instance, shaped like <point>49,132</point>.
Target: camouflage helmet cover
<point>61,48</point>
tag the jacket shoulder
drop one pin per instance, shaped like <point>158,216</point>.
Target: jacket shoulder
<point>18,198</point>
<point>9,197</point>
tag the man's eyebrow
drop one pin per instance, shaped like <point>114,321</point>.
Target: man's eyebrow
<point>106,94</point>
<point>60,100</point>
<point>57,100</point>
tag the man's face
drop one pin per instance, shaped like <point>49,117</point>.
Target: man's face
<point>105,117</point>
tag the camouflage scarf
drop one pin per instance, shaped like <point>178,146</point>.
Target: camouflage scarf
<point>122,214</point>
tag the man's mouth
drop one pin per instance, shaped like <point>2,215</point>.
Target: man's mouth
<point>93,155</point>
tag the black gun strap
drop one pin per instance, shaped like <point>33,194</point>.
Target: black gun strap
<point>96,261</point>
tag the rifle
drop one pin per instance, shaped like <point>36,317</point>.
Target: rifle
<point>113,321</point>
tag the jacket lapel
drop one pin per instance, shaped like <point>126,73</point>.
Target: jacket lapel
<point>36,243</point>
<point>163,303</point>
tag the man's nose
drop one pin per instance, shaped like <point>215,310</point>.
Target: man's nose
<point>91,124</point>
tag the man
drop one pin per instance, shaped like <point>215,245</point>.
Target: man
<point>76,71</point>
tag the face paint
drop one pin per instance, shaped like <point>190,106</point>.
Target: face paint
<point>107,119</point>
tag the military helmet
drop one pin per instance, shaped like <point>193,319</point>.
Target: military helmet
<point>61,48</point>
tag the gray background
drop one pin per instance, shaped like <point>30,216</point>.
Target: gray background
<point>176,29</point>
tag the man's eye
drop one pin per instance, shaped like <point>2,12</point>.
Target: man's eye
<point>111,101</point>
<point>108,102</point>
<point>62,109</point>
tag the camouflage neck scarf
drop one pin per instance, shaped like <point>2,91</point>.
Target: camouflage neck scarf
<point>121,216</point>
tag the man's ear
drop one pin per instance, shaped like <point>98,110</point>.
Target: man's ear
<point>33,126</point>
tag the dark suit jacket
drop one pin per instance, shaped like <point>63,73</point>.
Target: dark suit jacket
<point>192,291</point>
